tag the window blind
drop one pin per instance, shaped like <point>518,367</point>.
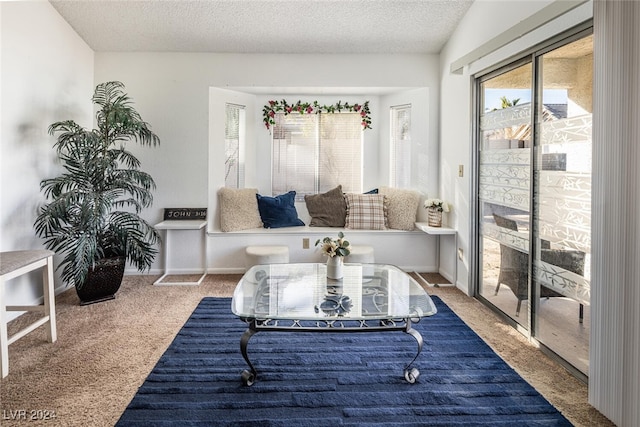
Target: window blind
<point>233,134</point>
<point>313,153</point>
<point>401,146</point>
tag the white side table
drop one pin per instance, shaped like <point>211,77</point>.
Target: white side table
<point>177,225</point>
<point>14,264</point>
<point>442,231</point>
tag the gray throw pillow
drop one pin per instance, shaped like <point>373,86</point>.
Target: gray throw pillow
<point>327,209</point>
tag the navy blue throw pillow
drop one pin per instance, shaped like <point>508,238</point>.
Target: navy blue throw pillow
<point>279,211</point>
<point>374,191</point>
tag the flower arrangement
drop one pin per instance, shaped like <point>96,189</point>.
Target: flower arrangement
<point>269,111</point>
<point>437,204</point>
<point>334,247</point>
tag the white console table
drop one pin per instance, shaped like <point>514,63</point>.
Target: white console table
<point>442,231</point>
<point>180,225</point>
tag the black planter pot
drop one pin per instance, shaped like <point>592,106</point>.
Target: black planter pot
<point>103,281</point>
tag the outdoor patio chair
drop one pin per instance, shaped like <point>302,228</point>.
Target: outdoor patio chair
<point>514,266</point>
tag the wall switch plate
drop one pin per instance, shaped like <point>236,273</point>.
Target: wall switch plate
<point>460,170</point>
<point>305,243</point>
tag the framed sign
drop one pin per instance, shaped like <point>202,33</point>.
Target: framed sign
<point>185,213</point>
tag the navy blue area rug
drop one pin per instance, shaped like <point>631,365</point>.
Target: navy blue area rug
<point>333,379</point>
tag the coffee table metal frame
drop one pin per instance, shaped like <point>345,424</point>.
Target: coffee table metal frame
<point>334,324</point>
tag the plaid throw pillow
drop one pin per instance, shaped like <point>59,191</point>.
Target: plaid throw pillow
<point>366,211</point>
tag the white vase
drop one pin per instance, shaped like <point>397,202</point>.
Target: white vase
<point>334,267</point>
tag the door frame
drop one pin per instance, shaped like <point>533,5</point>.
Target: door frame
<point>532,55</point>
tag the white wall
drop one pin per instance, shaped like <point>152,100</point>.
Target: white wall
<point>172,93</point>
<point>424,131</point>
<point>484,20</point>
<point>46,76</point>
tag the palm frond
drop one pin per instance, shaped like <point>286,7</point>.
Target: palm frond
<point>82,221</point>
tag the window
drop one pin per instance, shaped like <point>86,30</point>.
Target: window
<point>313,153</point>
<point>400,146</point>
<point>234,146</point>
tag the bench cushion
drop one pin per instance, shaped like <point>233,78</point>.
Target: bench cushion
<point>13,260</point>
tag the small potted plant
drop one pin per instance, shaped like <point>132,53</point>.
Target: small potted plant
<point>93,217</point>
<point>335,250</point>
<point>434,208</point>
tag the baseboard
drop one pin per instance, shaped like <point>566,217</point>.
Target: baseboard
<point>447,276</point>
<point>226,270</point>
<point>463,288</point>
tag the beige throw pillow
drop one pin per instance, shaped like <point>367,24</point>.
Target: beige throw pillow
<point>238,209</point>
<point>402,207</point>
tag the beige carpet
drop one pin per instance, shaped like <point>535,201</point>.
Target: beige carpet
<point>105,351</point>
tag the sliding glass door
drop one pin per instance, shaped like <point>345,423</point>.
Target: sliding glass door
<point>505,189</point>
<point>562,197</point>
<point>534,195</point>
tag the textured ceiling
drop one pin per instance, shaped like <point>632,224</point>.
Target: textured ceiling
<point>268,26</point>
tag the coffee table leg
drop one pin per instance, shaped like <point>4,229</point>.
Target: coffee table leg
<point>412,374</point>
<point>248,377</point>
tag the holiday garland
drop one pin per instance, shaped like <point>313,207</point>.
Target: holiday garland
<point>269,111</point>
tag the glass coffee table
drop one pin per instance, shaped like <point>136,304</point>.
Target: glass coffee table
<point>300,298</point>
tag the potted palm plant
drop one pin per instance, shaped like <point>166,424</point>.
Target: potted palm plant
<point>92,218</point>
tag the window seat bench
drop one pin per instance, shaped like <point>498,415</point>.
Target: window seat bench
<point>410,250</point>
